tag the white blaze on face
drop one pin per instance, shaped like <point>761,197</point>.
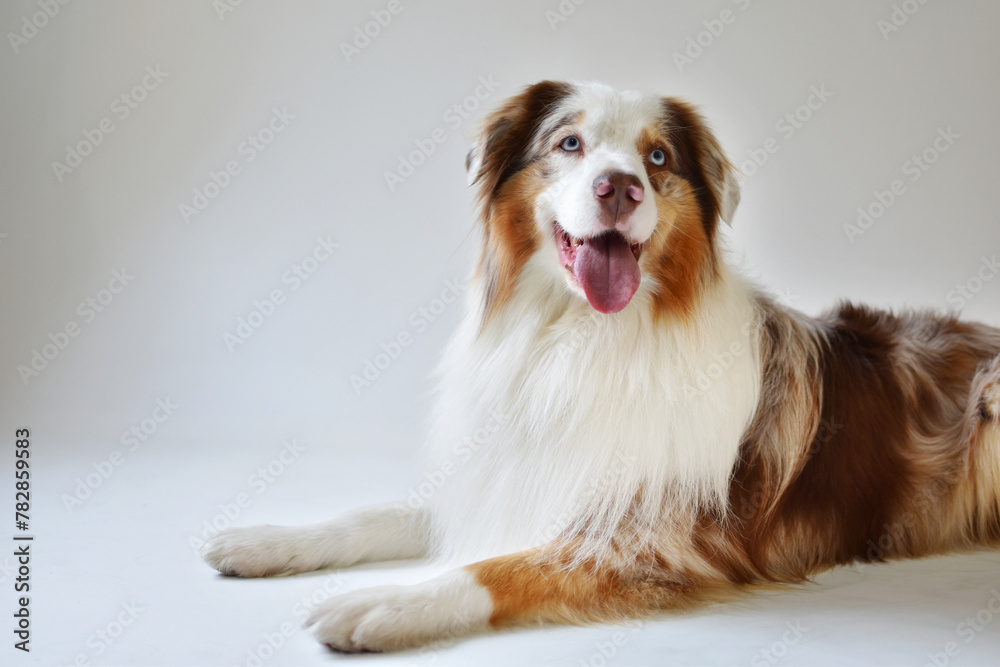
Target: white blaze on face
<point>608,126</point>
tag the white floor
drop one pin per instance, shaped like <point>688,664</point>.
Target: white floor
<point>120,566</point>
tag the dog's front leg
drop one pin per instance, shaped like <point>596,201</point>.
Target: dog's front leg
<point>374,534</point>
<point>526,588</point>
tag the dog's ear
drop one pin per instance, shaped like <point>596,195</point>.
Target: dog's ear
<point>701,160</point>
<point>506,141</point>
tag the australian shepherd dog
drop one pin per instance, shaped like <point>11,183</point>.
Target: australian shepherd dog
<point>624,425</point>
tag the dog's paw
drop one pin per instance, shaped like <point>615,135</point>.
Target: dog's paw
<point>257,551</point>
<point>391,618</point>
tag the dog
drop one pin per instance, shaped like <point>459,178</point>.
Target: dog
<point>624,425</point>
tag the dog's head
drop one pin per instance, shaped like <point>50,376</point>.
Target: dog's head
<point>619,190</point>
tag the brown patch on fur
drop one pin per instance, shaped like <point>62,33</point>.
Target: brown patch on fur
<point>679,255</point>
<point>900,386</point>
<point>688,188</point>
<point>649,140</point>
<point>531,587</point>
<point>697,157</point>
<point>508,183</point>
<point>863,447</point>
<point>511,239</point>
<point>508,135</point>
<point>853,483</point>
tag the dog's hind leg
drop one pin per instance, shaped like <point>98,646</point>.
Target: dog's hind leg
<point>376,534</point>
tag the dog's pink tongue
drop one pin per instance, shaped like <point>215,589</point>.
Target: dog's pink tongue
<point>608,272</point>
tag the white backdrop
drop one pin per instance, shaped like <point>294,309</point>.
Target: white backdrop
<point>199,244</point>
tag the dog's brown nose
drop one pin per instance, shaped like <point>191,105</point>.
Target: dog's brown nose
<point>619,194</point>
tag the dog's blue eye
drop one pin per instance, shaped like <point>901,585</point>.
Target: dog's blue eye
<point>658,157</point>
<point>570,143</point>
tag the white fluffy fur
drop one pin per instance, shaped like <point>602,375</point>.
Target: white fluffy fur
<point>595,408</point>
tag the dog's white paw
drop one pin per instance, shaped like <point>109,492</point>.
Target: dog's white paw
<point>258,551</point>
<point>391,618</point>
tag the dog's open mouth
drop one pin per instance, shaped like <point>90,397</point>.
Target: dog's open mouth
<point>606,266</point>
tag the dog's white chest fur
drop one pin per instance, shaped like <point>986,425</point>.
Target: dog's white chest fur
<point>555,418</point>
